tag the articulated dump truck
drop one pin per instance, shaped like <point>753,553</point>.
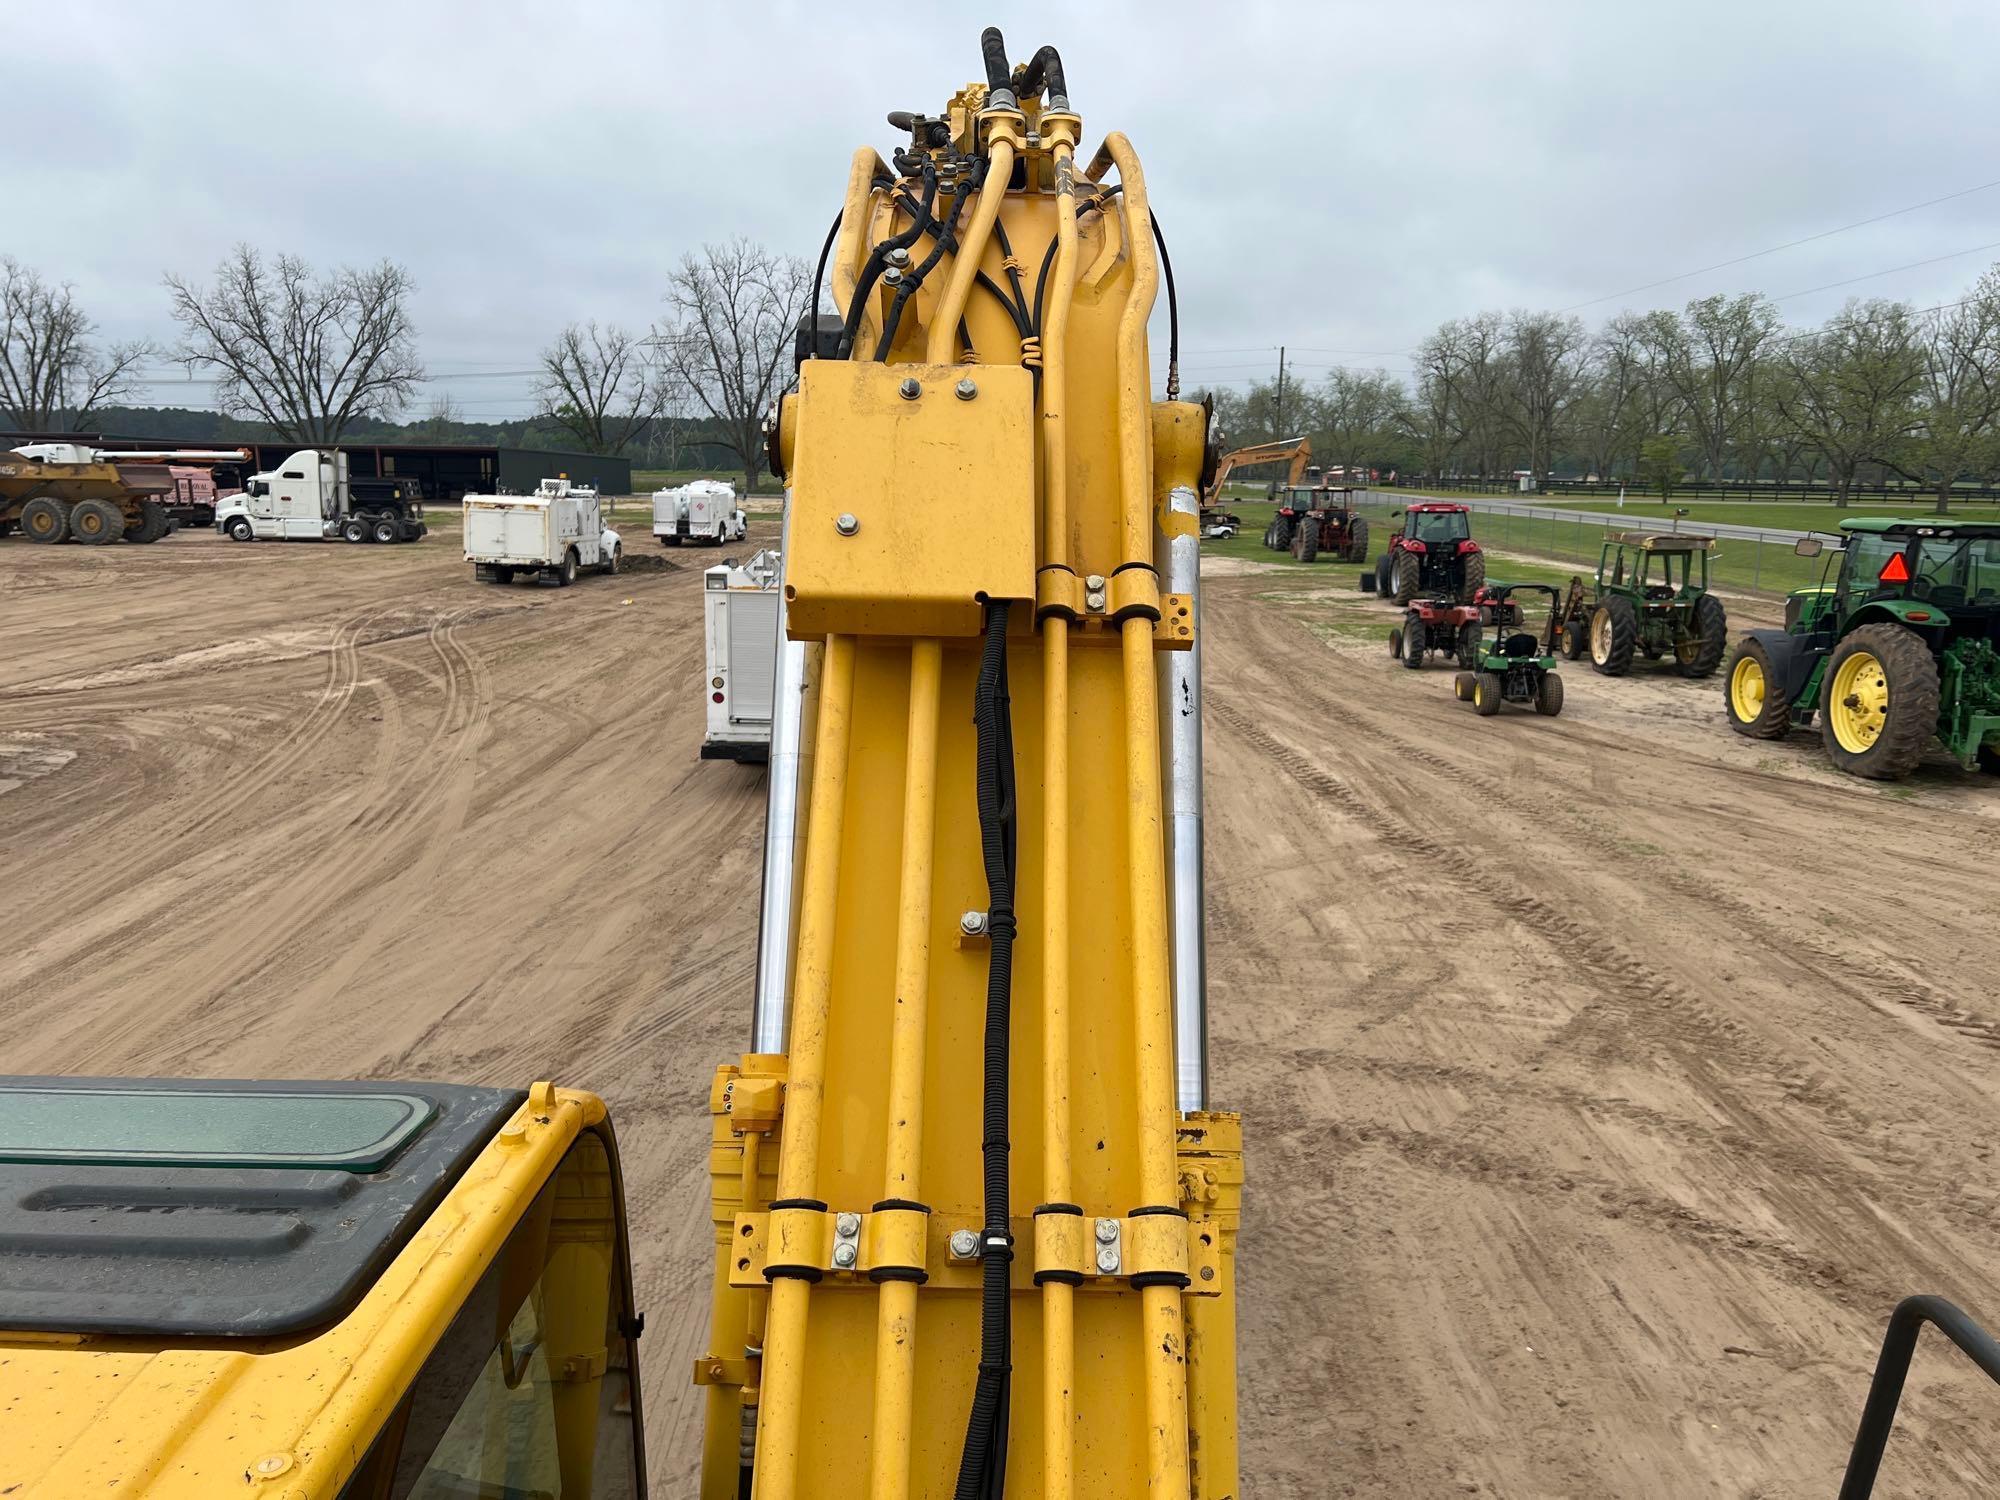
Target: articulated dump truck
<point>973,1223</point>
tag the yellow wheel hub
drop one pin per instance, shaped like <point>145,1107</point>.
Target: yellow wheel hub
<point>1746,690</point>
<point>1858,703</point>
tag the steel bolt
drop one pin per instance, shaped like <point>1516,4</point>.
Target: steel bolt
<point>1095,583</point>
<point>1107,1231</point>
<point>845,1254</point>
<point>1093,601</point>
<point>909,389</point>
<point>964,1244</point>
<point>1107,1259</point>
<point>973,923</point>
<point>897,256</point>
<point>966,389</point>
<point>846,523</point>
<point>847,1226</point>
<point>892,277</point>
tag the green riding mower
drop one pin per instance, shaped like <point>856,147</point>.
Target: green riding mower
<point>1901,648</point>
<point>1513,665</point>
<point>1651,597</point>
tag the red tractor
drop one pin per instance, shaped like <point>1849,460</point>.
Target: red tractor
<point>1434,554</point>
<point>1316,522</point>
<point>1440,625</point>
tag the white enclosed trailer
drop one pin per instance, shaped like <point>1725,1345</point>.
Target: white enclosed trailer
<point>703,511</point>
<point>741,614</point>
<point>556,533</point>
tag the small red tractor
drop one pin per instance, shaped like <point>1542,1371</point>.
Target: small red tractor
<point>1437,625</point>
<point>1434,554</point>
<point>1316,522</point>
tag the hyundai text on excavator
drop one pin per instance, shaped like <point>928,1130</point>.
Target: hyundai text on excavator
<point>974,1225</point>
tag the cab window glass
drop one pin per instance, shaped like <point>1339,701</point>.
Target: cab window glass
<point>1440,526</point>
<point>530,1393</point>
<point>1867,553</point>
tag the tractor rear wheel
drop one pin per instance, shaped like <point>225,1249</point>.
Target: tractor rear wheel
<point>1305,539</point>
<point>1700,652</point>
<point>1880,705</point>
<point>1461,685</point>
<point>1549,695</point>
<point>1472,574</point>
<point>44,520</point>
<point>1415,634</point>
<point>1614,632</point>
<point>1409,576</point>
<point>96,522</point>
<point>1468,645</point>
<point>1357,541</point>
<point>1486,694</point>
<point>1576,637</point>
<point>1753,695</point>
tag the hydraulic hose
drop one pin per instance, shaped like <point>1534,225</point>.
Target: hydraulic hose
<point>915,279</point>
<point>983,1461</point>
<point>1173,312</point>
<point>1045,69</point>
<point>878,258</point>
<point>999,73</point>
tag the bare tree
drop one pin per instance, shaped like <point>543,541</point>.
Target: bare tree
<point>604,386</point>
<point>1958,349</point>
<point>441,416</point>
<point>51,374</point>
<point>1546,354</point>
<point>732,312</point>
<point>309,354</point>
<point>1354,410</point>
<point>1851,387</point>
<point>1708,358</point>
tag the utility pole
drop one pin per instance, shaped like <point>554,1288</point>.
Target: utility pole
<point>1278,417</point>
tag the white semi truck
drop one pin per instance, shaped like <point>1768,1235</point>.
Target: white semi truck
<point>703,511</point>
<point>740,607</point>
<point>555,533</point>
<point>312,497</point>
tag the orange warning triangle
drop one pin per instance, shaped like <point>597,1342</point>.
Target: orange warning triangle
<point>1895,570</point>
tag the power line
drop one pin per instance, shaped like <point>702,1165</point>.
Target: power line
<point>1788,245</point>
<point>1911,266</point>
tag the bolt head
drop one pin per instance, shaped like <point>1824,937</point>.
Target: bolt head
<point>1093,601</point>
<point>909,390</point>
<point>1095,583</point>
<point>844,1255</point>
<point>1107,1231</point>
<point>846,523</point>
<point>898,256</point>
<point>972,923</point>
<point>966,389</point>
<point>892,277</point>
<point>847,1226</point>
<point>964,1243</point>
<point>1107,1259</point>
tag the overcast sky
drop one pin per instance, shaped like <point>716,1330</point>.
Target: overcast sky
<point>1336,177</point>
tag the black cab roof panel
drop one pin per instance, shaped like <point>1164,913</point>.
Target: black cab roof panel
<point>218,1208</point>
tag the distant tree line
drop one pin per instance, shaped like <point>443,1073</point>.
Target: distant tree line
<point>1721,390</point>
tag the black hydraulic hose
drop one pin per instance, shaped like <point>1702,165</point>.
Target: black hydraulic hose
<point>1045,68</point>
<point>916,277</point>
<point>950,241</point>
<point>999,74</point>
<point>1023,319</point>
<point>878,258</point>
<point>1173,313</point>
<point>819,274</point>
<point>983,1462</point>
<point>1049,259</point>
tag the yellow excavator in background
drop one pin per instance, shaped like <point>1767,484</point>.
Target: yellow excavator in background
<point>974,1224</point>
<point>1213,516</point>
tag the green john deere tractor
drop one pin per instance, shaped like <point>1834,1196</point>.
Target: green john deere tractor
<point>1651,597</point>
<point>1899,649</point>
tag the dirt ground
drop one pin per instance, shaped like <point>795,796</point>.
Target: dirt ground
<point>1607,1078</point>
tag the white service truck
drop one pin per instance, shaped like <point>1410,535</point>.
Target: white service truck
<point>312,497</point>
<point>741,614</point>
<point>555,533</point>
<point>703,511</point>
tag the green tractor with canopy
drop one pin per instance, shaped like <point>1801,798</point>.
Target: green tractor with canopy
<point>1903,647</point>
<point>1651,598</point>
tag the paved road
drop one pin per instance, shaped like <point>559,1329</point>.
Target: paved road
<point>1613,518</point>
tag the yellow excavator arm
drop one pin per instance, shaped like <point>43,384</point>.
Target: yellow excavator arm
<point>974,1224</point>
<point>1298,450</point>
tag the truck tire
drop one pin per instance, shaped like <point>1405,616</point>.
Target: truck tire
<point>1701,655</point>
<point>1415,638</point>
<point>1614,634</point>
<point>1305,539</point>
<point>1357,541</point>
<point>96,522</point>
<point>44,520</point>
<point>1281,534</point>
<point>670,541</point>
<point>1461,686</point>
<point>503,573</point>
<point>1368,582</point>
<point>354,529</point>
<point>387,529</point>
<point>153,523</point>
<point>1879,708</point>
<point>1549,695</point>
<point>612,559</point>
<point>1472,575</point>
<point>240,529</point>
<point>566,574</point>
<point>1752,696</point>
<point>1409,575</point>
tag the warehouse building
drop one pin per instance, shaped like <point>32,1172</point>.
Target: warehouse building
<point>446,471</point>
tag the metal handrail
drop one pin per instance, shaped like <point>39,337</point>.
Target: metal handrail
<point>1892,1366</point>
